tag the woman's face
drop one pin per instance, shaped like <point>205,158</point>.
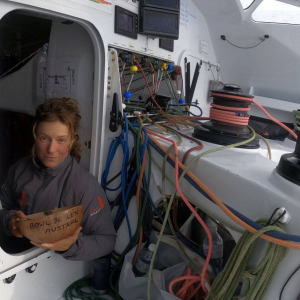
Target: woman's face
<point>53,143</point>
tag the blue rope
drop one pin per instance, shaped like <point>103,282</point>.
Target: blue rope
<point>133,176</point>
<point>124,142</point>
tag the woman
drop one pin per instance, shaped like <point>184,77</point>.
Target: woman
<point>52,178</point>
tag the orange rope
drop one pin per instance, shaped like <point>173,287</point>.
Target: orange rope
<point>230,214</point>
<point>191,208</point>
<point>259,106</point>
<point>232,97</point>
<point>276,121</point>
<point>186,285</point>
<point>230,108</point>
<point>228,117</point>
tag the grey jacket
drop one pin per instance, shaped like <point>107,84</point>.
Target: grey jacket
<point>31,188</point>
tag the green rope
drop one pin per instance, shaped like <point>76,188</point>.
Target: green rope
<point>82,289</point>
<point>256,280</point>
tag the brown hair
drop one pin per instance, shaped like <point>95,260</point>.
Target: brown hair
<point>65,110</point>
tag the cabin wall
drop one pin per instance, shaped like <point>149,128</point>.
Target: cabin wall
<point>272,68</point>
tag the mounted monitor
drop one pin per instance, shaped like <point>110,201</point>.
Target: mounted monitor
<point>159,22</point>
<point>126,22</point>
<point>162,4</point>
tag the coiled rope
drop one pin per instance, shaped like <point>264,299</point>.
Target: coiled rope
<point>236,270</point>
<point>235,112</point>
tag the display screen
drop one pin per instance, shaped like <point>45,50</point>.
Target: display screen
<point>160,23</point>
<point>169,4</point>
<point>126,22</point>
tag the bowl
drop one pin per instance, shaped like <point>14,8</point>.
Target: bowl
<point>51,225</point>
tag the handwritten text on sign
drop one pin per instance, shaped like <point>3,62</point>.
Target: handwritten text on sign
<point>57,223</point>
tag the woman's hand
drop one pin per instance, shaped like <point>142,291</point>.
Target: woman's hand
<point>12,224</point>
<point>62,245</point>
